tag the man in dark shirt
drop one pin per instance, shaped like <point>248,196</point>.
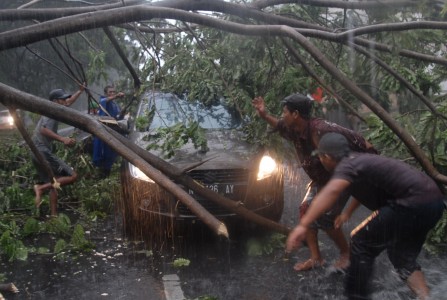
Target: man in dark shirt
<point>299,127</point>
<point>406,202</point>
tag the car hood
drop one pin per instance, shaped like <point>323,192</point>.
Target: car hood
<point>227,149</point>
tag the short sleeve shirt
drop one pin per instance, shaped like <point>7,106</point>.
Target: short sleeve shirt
<point>307,142</point>
<point>377,181</point>
<point>41,141</point>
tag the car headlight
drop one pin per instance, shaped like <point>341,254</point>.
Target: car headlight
<point>137,173</point>
<point>267,167</point>
<point>10,120</point>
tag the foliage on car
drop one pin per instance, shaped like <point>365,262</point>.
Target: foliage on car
<point>170,139</point>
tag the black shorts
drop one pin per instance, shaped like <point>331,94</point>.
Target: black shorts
<point>59,167</point>
<point>326,221</point>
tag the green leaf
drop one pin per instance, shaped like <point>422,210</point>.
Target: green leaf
<point>78,240</point>
<point>59,225</point>
<point>254,247</point>
<point>31,227</point>
<point>61,245</point>
<point>181,262</point>
<point>21,251</point>
<point>12,247</point>
<point>42,250</point>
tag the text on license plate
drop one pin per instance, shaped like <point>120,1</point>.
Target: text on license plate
<point>218,188</point>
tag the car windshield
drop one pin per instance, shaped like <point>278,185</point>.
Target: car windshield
<point>171,110</point>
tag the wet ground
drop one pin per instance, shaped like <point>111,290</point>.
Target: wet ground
<point>115,270</point>
<point>227,272</point>
<point>219,269</point>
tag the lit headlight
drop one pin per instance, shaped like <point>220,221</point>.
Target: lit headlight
<point>10,120</point>
<point>267,167</point>
<point>137,173</point>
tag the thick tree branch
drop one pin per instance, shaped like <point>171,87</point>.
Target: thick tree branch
<point>122,55</point>
<point>401,79</point>
<point>245,12</point>
<point>320,81</point>
<point>304,28</point>
<point>388,27</point>
<point>339,4</point>
<point>14,98</point>
<point>19,99</point>
<point>369,102</point>
<point>44,14</point>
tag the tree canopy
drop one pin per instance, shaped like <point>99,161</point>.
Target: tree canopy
<point>358,52</point>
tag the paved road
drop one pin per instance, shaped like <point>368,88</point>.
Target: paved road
<point>225,271</point>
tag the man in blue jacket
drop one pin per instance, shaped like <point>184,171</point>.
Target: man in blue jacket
<point>103,156</point>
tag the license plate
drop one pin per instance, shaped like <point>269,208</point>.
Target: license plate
<point>223,189</point>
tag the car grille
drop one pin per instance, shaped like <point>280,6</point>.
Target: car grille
<point>221,177</point>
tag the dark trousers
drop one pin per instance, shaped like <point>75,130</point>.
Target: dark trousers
<point>103,156</point>
<point>399,230</point>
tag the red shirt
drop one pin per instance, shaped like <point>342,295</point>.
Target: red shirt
<point>307,142</point>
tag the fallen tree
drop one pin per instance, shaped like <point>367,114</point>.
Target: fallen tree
<point>145,161</point>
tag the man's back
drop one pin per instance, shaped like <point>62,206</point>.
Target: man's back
<point>378,180</point>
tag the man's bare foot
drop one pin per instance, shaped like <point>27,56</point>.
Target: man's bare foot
<point>308,265</point>
<point>38,192</point>
<point>8,287</point>
<point>342,263</point>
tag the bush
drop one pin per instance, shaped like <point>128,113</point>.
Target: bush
<point>80,204</point>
